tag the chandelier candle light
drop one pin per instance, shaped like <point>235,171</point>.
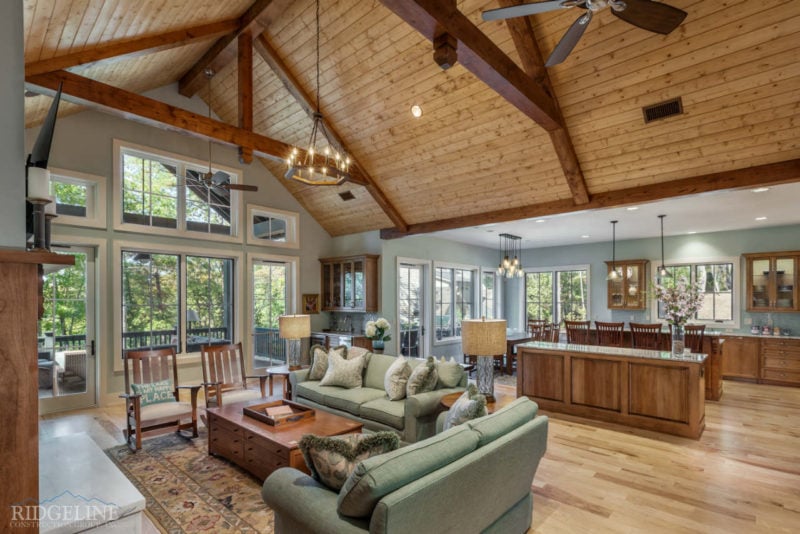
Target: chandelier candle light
<point>378,332</point>
<point>294,328</point>
<point>510,247</point>
<point>324,165</point>
<point>484,339</point>
<point>681,301</point>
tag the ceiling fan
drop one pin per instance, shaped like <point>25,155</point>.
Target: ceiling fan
<point>646,14</point>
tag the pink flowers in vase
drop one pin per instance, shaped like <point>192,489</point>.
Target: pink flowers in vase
<point>682,301</point>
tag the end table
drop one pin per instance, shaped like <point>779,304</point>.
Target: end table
<point>283,371</point>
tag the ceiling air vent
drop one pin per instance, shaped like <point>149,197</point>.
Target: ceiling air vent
<point>662,110</point>
<point>347,195</point>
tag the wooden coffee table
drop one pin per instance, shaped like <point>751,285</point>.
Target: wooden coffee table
<point>259,448</point>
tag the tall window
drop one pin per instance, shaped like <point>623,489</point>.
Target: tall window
<point>270,301</point>
<point>718,286</point>
<point>488,294</point>
<point>209,301</point>
<point>410,308</point>
<point>453,298</point>
<point>557,294</point>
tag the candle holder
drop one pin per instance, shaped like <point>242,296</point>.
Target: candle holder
<point>40,224</point>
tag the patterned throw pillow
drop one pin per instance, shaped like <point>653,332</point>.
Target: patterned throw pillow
<point>396,379</point>
<point>154,392</point>
<point>319,360</point>
<point>450,372</point>
<point>341,372</point>
<point>332,459</point>
<point>423,378</point>
<point>470,405</point>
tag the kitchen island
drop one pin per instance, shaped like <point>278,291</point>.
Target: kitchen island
<point>646,389</point>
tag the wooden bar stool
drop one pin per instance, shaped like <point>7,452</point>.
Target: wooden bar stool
<point>578,332</point>
<point>646,336</point>
<point>609,334</point>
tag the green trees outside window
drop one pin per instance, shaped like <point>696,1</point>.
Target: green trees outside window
<point>557,295</point>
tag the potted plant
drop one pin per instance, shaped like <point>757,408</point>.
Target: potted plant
<point>681,302</point>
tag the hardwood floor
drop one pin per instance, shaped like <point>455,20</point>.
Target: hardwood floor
<point>742,476</point>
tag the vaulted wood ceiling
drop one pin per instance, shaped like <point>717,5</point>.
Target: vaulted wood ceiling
<point>472,157</point>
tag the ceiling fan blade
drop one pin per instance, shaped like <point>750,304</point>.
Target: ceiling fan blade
<point>239,187</point>
<point>570,39</point>
<point>219,178</point>
<point>652,16</point>
<point>523,10</point>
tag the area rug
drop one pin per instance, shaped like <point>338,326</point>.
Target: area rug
<point>189,491</point>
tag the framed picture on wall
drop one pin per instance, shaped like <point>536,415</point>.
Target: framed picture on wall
<point>310,303</point>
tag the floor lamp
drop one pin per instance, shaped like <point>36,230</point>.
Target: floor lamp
<point>294,328</point>
<point>484,339</point>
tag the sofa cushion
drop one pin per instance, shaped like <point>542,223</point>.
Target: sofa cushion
<point>504,420</point>
<point>394,383</point>
<point>341,372</point>
<point>349,400</point>
<point>470,405</point>
<point>384,411</point>
<point>332,459</point>
<point>378,476</point>
<point>376,370</point>
<point>311,390</point>
<point>319,360</point>
<point>240,395</point>
<point>450,373</point>
<point>423,378</point>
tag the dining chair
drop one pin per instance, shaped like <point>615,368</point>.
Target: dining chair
<point>646,336</point>
<point>609,334</point>
<point>578,332</point>
<point>224,378</point>
<point>535,328</point>
<point>554,333</point>
<point>152,400</point>
<point>693,336</point>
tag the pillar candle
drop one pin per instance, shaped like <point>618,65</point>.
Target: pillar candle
<point>38,183</point>
<point>51,207</point>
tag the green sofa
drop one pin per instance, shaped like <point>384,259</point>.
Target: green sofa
<point>475,477</point>
<point>412,418</point>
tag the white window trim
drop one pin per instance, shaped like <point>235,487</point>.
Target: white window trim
<point>96,198</point>
<point>738,288</point>
<point>427,314</point>
<point>582,267</point>
<point>476,293</point>
<point>182,250</point>
<point>292,219</point>
<point>178,159</point>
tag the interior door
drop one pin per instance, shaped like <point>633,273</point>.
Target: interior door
<point>411,310</point>
<point>67,364</point>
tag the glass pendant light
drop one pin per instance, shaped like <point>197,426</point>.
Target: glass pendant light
<point>613,275</point>
<point>662,270</point>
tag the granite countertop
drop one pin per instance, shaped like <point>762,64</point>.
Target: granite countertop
<point>615,351</point>
<point>746,334</point>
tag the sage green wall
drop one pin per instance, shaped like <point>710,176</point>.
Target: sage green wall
<point>12,119</point>
<point>83,142</point>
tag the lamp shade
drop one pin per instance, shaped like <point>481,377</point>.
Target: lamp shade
<point>294,326</point>
<point>481,337</point>
<point>192,316</point>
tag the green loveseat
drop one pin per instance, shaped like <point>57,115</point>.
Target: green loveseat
<point>412,418</point>
<point>475,477</point>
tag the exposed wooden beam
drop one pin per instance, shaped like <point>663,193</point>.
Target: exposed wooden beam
<point>128,105</point>
<point>221,53</point>
<point>290,82</point>
<point>478,54</point>
<point>245,90</point>
<point>760,175</point>
<point>521,31</point>
<point>142,45</point>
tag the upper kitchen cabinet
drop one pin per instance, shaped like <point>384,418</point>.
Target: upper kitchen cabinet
<point>772,282</point>
<point>350,283</point>
<point>628,290</point>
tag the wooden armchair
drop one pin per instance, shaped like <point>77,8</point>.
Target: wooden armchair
<point>578,332</point>
<point>149,411</point>
<point>609,334</point>
<point>646,336</point>
<point>224,375</point>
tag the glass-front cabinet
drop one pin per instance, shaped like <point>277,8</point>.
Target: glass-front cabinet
<point>772,282</point>
<point>627,291</point>
<point>350,284</point>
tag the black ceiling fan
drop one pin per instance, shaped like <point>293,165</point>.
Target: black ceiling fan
<point>646,14</point>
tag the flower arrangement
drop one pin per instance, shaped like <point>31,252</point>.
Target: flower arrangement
<point>681,301</point>
<point>378,330</point>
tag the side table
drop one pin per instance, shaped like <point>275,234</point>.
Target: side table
<point>283,371</point>
<point>500,400</point>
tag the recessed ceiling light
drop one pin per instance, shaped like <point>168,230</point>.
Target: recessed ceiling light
<point>539,220</point>
<point>760,189</point>
<point>691,232</point>
<point>762,218</point>
<point>633,208</point>
<point>585,236</point>
<point>416,111</point>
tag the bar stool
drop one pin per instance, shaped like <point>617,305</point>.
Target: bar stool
<point>578,332</point>
<point>646,336</point>
<point>609,334</point>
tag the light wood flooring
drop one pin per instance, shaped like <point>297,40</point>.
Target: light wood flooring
<point>742,476</point>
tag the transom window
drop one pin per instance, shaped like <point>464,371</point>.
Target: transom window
<point>453,300</point>
<point>80,198</point>
<point>272,227</point>
<point>557,294</point>
<point>718,287</point>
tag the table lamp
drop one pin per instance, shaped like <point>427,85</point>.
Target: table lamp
<point>484,339</point>
<point>294,328</point>
<point>192,317</point>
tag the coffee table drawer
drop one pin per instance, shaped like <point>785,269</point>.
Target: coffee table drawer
<point>216,422</point>
<point>266,446</point>
<point>226,443</point>
<point>262,461</point>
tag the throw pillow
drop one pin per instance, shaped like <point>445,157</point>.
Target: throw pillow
<point>319,360</point>
<point>450,372</point>
<point>332,459</point>
<point>154,392</point>
<point>341,372</point>
<point>396,379</point>
<point>470,405</point>
<point>423,378</point>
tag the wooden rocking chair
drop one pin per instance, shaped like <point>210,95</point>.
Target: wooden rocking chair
<point>224,376</point>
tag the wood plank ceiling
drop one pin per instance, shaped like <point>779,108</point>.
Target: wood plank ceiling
<point>472,156</point>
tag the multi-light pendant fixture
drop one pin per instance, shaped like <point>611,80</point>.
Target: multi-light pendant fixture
<point>510,251</point>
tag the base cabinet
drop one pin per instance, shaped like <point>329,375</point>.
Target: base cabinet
<point>740,358</point>
<point>780,361</point>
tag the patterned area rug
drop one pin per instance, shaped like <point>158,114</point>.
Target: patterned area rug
<point>189,491</point>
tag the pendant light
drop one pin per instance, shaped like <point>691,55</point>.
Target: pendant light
<point>510,252</point>
<point>662,270</point>
<point>613,275</point>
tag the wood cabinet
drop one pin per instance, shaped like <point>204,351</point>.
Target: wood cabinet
<point>772,281</point>
<point>780,361</point>
<point>350,283</point>
<point>740,358</point>
<point>628,290</point>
